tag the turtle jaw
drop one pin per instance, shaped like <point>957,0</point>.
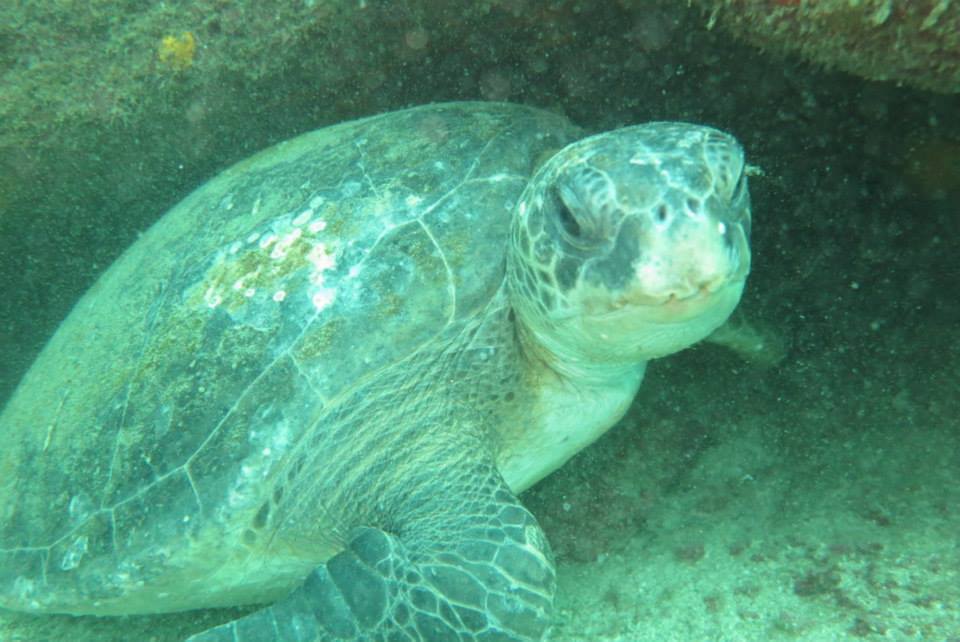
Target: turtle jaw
<point>686,294</point>
<point>609,343</point>
<point>640,328</point>
<point>678,292</point>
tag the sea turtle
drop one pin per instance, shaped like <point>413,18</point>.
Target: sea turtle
<point>320,381</point>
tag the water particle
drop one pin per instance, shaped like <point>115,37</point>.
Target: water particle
<point>253,237</point>
<point>416,38</point>
<point>234,247</point>
<point>249,292</point>
<point>279,296</point>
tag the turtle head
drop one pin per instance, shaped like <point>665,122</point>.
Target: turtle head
<point>630,245</point>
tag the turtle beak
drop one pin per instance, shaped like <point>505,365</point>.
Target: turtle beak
<point>691,268</point>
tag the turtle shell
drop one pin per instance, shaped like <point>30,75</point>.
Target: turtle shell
<point>233,329</point>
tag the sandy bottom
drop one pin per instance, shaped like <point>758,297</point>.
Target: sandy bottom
<point>830,517</point>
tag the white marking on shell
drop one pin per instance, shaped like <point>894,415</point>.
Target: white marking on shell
<point>271,443</point>
<point>253,238</point>
<point>643,158</point>
<point>320,258</point>
<point>279,296</point>
<point>235,247</point>
<point>249,292</point>
<point>317,226</point>
<point>212,298</point>
<point>268,240</point>
<point>303,217</point>
<point>284,244</point>
<point>74,553</point>
<point>316,202</point>
<point>79,508</point>
<point>24,588</point>
<point>322,298</point>
<point>413,200</point>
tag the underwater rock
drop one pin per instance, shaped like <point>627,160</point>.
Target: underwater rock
<point>913,43</point>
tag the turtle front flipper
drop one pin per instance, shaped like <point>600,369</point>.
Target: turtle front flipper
<point>481,571</point>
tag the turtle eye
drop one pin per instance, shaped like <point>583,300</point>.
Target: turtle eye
<point>566,205</point>
<point>567,220</point>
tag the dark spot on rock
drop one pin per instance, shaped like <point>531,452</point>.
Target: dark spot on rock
<point>815,583</point>
<point>690,554</point>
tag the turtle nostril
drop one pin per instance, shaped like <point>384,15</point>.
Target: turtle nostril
<point>662,214</point>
